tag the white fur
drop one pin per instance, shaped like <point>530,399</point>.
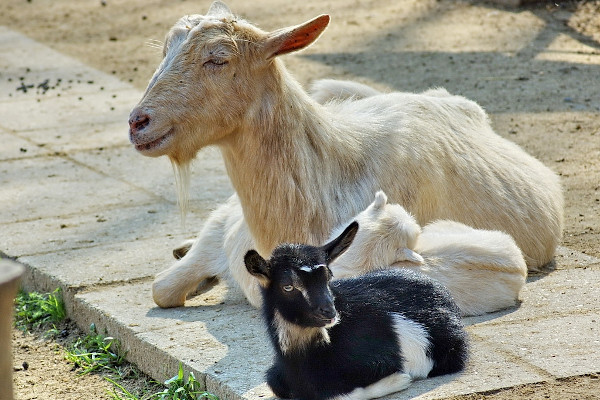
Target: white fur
<point>294,337</point>
<point>301,168</point>
<point>387,234</point>
<point>326,90</point>
<point>414,344</point>
<point>484,270</point>
<point>388,385</point>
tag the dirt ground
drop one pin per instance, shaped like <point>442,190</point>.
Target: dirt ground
<point>41,371</point>
<point>535,69</point>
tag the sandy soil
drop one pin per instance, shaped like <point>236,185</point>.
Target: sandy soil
<point>42,372</point>
<point>535,69</point>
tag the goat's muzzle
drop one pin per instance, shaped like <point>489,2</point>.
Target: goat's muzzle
<point>138,121</point>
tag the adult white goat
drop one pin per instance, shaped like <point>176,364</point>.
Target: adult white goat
<point>301,168</point>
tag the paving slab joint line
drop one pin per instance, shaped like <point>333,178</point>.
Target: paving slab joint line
<point>33,278</point>
<point>514,358</point>
<point>99,171</point>
<point>108,207</point>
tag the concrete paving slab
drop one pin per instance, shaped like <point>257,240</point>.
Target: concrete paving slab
<point>34,63</point>
<point>214,335</point>
<point>564,292</point>
<point>209,185</point>
<point>14,147</point>
<point>58,112</point>
<point>77,268</point>
<point>559,345</point>
<point>42,187</point>
<point>80,137</point>
<point>99,227</point>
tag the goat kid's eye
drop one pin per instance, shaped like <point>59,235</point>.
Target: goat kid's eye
<point>287,288</point>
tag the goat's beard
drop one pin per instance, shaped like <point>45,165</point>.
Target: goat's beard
<point>182,185</point>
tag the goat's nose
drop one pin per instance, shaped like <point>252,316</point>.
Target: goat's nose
<point>138,120</point>
<point>327,311</point>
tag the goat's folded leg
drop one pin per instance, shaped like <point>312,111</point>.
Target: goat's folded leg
<point>180,251</point>
<point>204,259</point>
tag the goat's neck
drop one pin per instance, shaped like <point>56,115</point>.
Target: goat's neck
<point>292,338</point>
<point>280,163</point>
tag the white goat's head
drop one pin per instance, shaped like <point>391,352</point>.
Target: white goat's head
<point>215,68</point>
<point>388,235</point>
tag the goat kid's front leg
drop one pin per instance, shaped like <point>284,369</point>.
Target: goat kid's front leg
<point>388,385</point>
<point>277,384</point>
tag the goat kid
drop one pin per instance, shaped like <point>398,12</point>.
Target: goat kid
<point>301,168</point>
<point>483,270</point>
<point>356,338</point>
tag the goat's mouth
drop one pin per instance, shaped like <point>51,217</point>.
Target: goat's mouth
<point>326,322</point>
<point>155,147</point>
<point>332,321</point>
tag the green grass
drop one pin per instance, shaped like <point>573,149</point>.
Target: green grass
<point>94,352</point>
<point>35,311</point>
<point>177,388</point>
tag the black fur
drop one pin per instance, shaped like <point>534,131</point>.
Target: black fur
<point>363,346</point>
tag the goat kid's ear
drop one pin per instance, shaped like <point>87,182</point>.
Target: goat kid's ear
<point>340,244</point>
<point>257,266</point>
<point>406,254</point>
<point>219,9</point>
<point>380,200</point>
<point>287,40</point>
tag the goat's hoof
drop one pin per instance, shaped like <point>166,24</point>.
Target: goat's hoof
<point>168,303</point>
<point>167,300</point>
<point>180,252</point>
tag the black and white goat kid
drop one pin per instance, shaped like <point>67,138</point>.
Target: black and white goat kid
<point>356,338</point>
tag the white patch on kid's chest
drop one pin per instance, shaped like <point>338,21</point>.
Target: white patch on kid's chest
<point>294,337</point>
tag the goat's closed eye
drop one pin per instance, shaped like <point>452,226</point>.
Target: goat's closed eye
<point>287,288</point>
<point>215,63</point>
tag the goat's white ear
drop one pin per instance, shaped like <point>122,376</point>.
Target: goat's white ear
<point>286,40</point>
<point>380,200</point>
<point>219,9</point>
<point>338,245</point>
<point>406,254</point>
<point>257,266</point>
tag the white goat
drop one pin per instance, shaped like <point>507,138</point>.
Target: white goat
<point>300,168</point>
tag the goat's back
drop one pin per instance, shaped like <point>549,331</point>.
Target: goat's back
<point>437,155</point>
<point>368,305</point>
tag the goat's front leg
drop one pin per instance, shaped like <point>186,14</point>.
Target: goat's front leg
<point>388,385</point>
<point>204,259</point>
<point>277,384</point>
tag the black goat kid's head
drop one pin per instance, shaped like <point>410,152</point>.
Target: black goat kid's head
<point>295,279</point>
